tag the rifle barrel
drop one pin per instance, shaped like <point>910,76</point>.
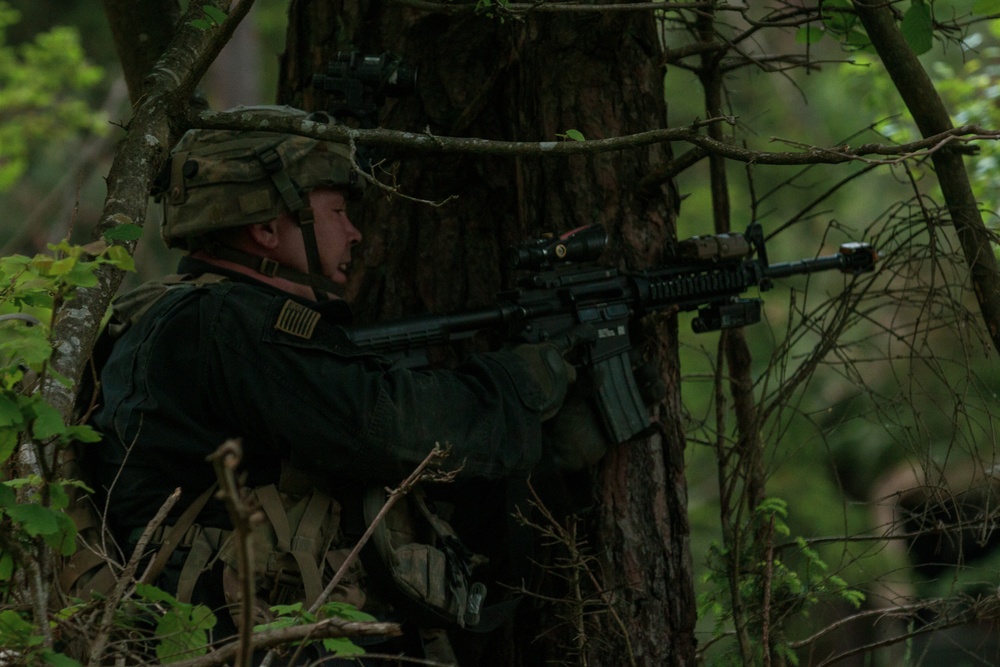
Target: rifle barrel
<point>855,258</point>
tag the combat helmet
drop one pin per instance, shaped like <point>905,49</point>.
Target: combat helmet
<point>219,179</point>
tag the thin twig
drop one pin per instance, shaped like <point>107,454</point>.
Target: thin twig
<point>125,579</point>
<point>328,627</point>
<point>225,460</point>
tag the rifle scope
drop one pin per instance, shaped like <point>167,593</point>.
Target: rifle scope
<point>584,244</point>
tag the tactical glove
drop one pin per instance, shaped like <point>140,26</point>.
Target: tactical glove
<point>576,435</point>
<point>551,372</point>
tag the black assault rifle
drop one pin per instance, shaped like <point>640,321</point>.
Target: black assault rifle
<point>562,289</point>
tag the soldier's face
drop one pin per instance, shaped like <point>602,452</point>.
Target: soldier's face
<point>335,234</point>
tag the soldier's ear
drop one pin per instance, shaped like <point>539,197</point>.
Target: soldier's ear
<point>264,234</point>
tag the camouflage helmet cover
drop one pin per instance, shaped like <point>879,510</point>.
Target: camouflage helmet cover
<point>223,178</point>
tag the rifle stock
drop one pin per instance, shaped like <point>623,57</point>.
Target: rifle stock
<point>563,288</point>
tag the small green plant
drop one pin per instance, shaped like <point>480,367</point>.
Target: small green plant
<point>182,629</point>
<point>769,591</point>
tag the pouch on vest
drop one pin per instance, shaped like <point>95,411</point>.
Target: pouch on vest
<point>295,552</point>
<point>425,560</point>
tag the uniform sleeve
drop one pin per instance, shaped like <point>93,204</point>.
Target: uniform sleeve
<point>304,391</point>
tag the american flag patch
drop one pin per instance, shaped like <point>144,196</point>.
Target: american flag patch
<point>297,320</point>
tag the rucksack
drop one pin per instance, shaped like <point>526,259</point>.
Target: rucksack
<point>425,560</point>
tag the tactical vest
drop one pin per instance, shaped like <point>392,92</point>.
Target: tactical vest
<point>297,548</point>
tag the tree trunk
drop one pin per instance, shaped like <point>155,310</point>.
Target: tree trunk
<point>529,79</point>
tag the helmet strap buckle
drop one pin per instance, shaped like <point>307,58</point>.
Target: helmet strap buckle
<point>268,267</point>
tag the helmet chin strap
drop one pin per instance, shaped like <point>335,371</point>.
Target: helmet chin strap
<point>271,161</point>
<point>320,284</point>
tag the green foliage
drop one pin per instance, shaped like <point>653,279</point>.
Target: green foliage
<point>970,89</point>
<point>841,23</point>
<point>767,581</point>
<point>41,94</point>
<point>181,629</point>
<point>32,508</point>
<point>214,17</point>
<point>296,614</point>
<point>20,637</point>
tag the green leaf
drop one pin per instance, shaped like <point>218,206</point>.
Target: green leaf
<point>917,27</point>
<point>202,618</point>
<point>29,344</point>
<point>183,632</point>
<point>126,232</point>
<point>59,377</point>
<point>8,497</point>
<point>342,647</point>
<point>808,35</point>
<point>58,659</point>
<point>48,422</point>
<point>201,24</point>
<point>35,519</point>
<point>83,433</point>
<point>58,498</point>
<point>575,135</point>
<point>82,274</point>
<point>6,566</point>
<point>151,593</point>
<point>119,256</point>
<point>345,611</point>
<point>177,642</point>
<point>838,16</point>
<point>63,540</point>
<point>16,630</point>
<point>8,443</point>
<point>62,266</point>
<point>857,40</point>
<point>10,412</point>
<point>214,13</point>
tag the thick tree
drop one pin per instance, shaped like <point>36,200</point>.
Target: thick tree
<point>530,78</point>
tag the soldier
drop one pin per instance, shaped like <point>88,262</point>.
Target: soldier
<point>246,342</point>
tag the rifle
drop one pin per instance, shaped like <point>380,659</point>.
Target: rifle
<point>563,295</point>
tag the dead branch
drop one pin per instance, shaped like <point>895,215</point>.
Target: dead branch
<point>329,627</point>
<point>949,140</point>
<point>225,460</point>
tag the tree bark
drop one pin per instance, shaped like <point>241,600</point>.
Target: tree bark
<point>141,30</point>
<point>529,80</point>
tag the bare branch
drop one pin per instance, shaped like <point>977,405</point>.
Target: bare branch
<point>430,143</point>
